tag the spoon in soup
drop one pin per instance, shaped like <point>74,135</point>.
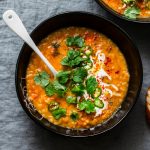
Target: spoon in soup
<point>15,24</point>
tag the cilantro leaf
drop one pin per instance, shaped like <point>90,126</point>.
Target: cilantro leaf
<point>65,61</point>
<point>73,54</point>
<point>78,89</point>
<point>50,89</point>
<point>63,76</point>
<point>59,88</point>
<point>76,61</point>
<point>79,74</point>
<point>74,116</point>
<point>72,59</point>
<point>42,79</point>
<point>71,100</point>
<point>91,85</point>
<point>44,75</point>
<point>75,41</point>
<point>132,12</point>
<point>37,80</point>
<point>58,113</point>
<point>87,105</point>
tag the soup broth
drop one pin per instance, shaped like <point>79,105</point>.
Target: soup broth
<point>132,9</point>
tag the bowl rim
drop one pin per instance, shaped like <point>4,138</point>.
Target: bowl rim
<point>113,12</point>
<point>19,59</point>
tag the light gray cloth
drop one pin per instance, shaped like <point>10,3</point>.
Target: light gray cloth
<point>17,131</point>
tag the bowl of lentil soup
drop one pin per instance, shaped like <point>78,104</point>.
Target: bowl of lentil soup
<point>99,75</point>
<point>131,10</point>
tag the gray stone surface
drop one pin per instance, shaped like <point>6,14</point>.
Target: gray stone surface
<point>17,131</point>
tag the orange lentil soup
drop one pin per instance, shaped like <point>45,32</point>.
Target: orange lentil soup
<point>91,83</point>
<point>131,8</point>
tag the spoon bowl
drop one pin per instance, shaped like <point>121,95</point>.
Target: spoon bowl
<point>15,24</point>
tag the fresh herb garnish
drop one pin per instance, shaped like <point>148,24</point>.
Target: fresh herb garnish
<point>72,59</point>
<point>79,75</point>
<point>78,89</point>
<point>71,100</point>
<point>49,89</point>
<point>87,106</point>
<point>74,116</point>
<point>63,76</point>
<point>76,79</point>
<point>42,79</point>
<point>58,113</point>
<point>91,85</point>
<point>72,54</point>
<point>59,88</point>
<point>132,12</point>
<point>75,41</point>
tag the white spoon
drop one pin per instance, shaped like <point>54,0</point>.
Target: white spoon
<point>13,21</point>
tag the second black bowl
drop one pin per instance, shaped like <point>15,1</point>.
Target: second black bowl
<point>109,9</point>
<point>102,25</point>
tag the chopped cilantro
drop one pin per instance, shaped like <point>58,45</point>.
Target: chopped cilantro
<point>42,79</point>
<point>79,74</point>
<point>76,61</point>
<point>58,113</point>
<point>132,12</point>
<point>71,100</point>
<point>75,41</point>
<point>91,85</point>
<point>59,88</point>
<point>72,54</point>
<point>65,61</point>
<point>74,116</point>
<point>87,105</point>
<point>72,59</point>
<point>78,89</point>
<point>63,76</point>
<point>49,89</point>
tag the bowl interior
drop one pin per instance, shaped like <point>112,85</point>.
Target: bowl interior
<point>110,30</point>
<point>107,8</point>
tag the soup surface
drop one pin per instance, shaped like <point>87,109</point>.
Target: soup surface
<point>91,83</point>
<point>131,8</point>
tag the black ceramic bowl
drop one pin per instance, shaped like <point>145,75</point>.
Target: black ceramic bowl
<point>103,26</point>
<point>107,8</point>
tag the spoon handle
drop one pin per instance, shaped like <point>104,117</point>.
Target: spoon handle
<point>13,21</point>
